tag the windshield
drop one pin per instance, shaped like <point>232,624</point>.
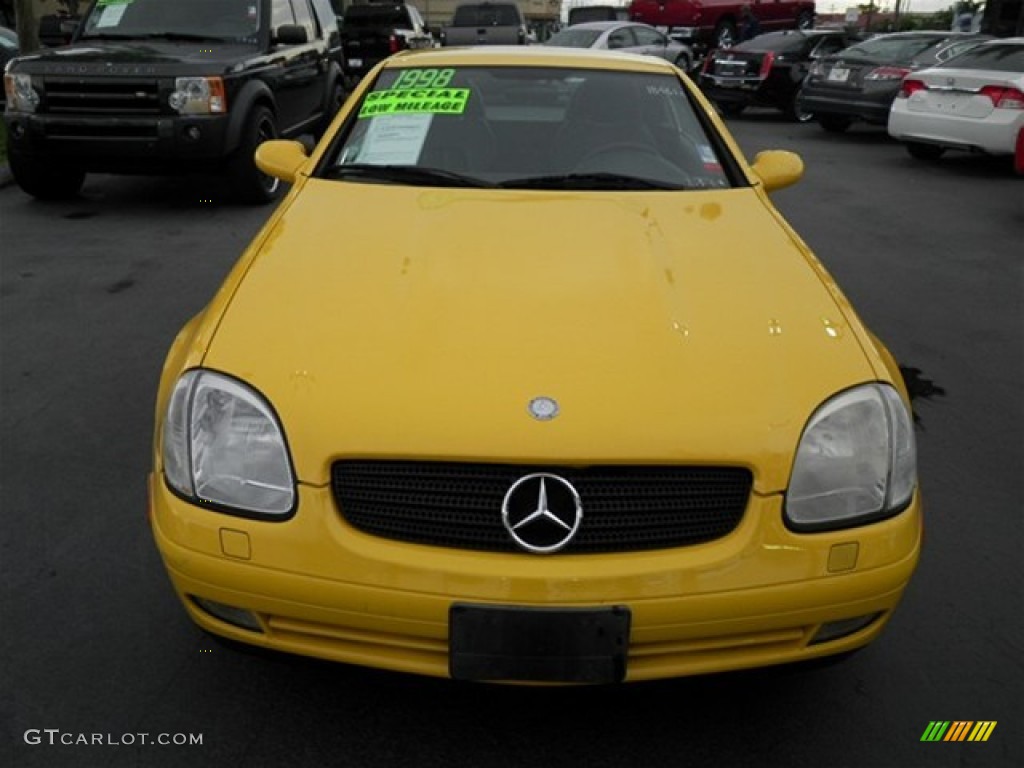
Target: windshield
<point>574,37</point>
<point>529,127</point>
<point>363,16</point>
<point>887,48</point>
<point>779,42</point>
<point>236,20</point>
<point>995,57</point>
<point>486,16</point>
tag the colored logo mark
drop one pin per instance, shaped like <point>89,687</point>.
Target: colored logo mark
<point>959,730</point>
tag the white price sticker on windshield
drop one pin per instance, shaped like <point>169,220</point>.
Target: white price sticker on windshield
<point>395,139</point>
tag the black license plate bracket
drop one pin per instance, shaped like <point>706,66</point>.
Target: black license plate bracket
<point>554,645</point>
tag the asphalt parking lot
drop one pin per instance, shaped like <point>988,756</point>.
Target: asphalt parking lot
<point>94,643</point>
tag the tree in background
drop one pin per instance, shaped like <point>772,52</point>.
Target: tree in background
<point>27,20</point>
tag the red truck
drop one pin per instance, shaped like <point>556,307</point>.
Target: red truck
<point>717,23</point>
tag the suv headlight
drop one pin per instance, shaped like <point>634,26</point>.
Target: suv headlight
<point>198,96</point>
<point>222,445</point>
<point>856,461</point>
<point>21,96</point>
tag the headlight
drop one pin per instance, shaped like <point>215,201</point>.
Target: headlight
<point>856,461</point>
<point>222,445</point>
<point>198,96</point>
<point>21,96</point>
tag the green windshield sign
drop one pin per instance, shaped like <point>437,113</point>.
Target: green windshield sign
<point>435,101</point>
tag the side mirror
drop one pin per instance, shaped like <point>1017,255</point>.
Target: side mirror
<point>281,158</point>
<point>291,34</point>
<point>778,168</point>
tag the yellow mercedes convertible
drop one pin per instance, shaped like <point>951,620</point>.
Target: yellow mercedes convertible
<point>527,380</point>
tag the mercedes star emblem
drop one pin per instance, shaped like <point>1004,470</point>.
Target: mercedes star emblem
<point>542,512</point>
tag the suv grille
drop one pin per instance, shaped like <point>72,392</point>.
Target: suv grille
<point>102,96</point>
<point>625,508</point>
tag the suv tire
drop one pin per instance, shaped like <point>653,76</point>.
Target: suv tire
<point>248,182</point>
<point>725,34</point>
<point>45,181</point>
<point>335,98</point>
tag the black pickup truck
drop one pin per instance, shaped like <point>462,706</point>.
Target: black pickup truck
<point>370,32</point>
<point>165,86</point>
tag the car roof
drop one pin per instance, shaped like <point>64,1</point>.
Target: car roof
<point>930,33</point>
<point>530,56</point>
<point>603,25</point>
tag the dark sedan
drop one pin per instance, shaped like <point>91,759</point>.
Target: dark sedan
<point>768,70</point>
<point>861,82</point>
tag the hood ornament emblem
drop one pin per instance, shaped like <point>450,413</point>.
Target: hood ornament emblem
<point>541,512</point>
<point>543,408</point>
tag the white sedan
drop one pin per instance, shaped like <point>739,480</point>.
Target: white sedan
<point>626,36</point>
<point>973,102</point>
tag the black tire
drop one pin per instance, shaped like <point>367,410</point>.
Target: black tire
<point>805,20</point>
<point>335,98</point>
<point>725,34</point>
<point>248,182</point>
<point>730,108</point>
<point>834,123</point>
<point>683,62</point>
<point>797,113</point>
<point>927,152</point>
<point>45,181</point>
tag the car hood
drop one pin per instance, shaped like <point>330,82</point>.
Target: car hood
<point>385,321</point>
<point>136,57</point>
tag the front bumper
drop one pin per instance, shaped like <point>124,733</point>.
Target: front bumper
<point>320,588</point>
<point>121,144</point>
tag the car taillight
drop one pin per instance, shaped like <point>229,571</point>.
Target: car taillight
<point>395,44</point>
<point>887,73</point>
<point>766,63</point>
<point>910,87</point>
<point>1004,98</point>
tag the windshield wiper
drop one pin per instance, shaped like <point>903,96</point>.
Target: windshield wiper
<point>589,181</point>
<point>107,36</point>
<point>185,36</point>
<point>409,174</point>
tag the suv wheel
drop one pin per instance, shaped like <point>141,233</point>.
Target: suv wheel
<point>249,183</point>
<point>45,181</point>
<point>725,34</point>
<point>334,101</point>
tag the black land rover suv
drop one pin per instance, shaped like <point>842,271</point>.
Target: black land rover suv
<point>162,86</point>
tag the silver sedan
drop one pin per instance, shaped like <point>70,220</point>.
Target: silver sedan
<point>625,36</point>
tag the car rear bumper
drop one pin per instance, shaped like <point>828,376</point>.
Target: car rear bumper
<point>996,135</point>
<point>870,108</point>
<point>320,588</point>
